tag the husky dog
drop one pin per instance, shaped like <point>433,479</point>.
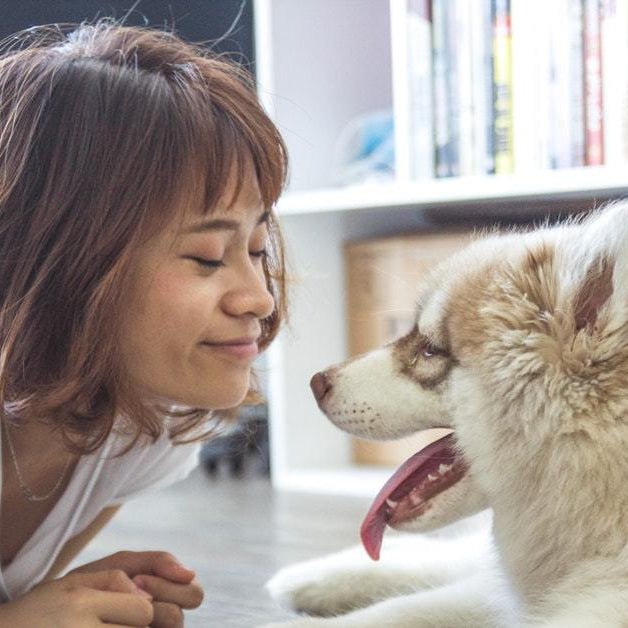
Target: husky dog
<point>520,347</point>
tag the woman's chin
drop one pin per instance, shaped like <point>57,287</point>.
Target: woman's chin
<point>223,399</point>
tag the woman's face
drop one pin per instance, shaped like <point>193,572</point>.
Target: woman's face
<point>197,295</point>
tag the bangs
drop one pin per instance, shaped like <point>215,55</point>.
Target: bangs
<point>214,143</point>
<point>231,142</point>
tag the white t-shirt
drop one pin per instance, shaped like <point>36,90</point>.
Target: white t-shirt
<point>99,480</point>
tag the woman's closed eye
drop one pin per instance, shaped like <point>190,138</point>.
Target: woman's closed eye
<point>260,254</point>
<point>217,263</point>
<point>205,263</point>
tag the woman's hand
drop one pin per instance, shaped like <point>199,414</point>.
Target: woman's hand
<point>172,586</point>
<point>87,600</point>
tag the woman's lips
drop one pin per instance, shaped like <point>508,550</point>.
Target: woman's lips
<point>244,349</point>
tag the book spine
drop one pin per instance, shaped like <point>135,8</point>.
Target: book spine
<point>462,23</point>
<point>529,69</point>
<point>559,86</point>
<point>489,97</point>
<point>482,82</point>
<point>614,52</point>
<point>439,68</point>
<point>593,106</point>
<point>576,84</point>
<point>419,38</point>
<point>502,77</point>
<point>453,45</point>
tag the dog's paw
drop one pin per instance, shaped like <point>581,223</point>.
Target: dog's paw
<point>303,591</point>
<point>325,587</point>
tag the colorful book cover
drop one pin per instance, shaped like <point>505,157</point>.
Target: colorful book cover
<point>593,105</point>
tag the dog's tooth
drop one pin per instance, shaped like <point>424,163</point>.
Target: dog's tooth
<point>443,468</point>
<point>391,503</point>
<point>431,477</point>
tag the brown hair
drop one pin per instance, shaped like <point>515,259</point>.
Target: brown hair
<point>103,131</point>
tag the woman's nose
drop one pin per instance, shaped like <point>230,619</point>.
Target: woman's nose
<point>251,296</point>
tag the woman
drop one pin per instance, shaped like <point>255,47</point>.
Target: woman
<point>141,272</point>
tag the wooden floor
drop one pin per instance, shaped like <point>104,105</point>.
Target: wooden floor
<point>235,534</point>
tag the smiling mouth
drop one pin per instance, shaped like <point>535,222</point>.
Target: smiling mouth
<point>245,349</point>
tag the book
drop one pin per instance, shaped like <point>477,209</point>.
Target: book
<point>614,60</point>
<point>482,88</point>
<point>530,70</point>
<point>576,86</point>
<point>593,104</point>
<point>462,89</point>
<point>441,64</point>
<point>566,94</point>
<point>502,77</point>
<point>419,63</point>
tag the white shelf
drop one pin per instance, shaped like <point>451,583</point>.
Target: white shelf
<point>548,184</point>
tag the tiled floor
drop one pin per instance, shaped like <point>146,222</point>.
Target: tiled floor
<point>235,534</point>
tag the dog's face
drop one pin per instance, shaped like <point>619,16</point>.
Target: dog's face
<point>520,344</point>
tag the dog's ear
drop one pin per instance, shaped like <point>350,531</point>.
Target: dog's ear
<point>593,294</point>
<point>594,268</point>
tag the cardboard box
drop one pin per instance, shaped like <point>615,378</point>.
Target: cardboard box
<point>382,278</point>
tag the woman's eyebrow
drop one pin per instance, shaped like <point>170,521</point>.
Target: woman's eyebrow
<point>222,224</point>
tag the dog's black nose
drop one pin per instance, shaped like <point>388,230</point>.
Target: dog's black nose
<point>320,386</point>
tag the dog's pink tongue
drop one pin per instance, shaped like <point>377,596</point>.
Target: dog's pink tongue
<point>402,481</point>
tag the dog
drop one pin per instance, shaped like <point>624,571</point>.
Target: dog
<point>520,348</point>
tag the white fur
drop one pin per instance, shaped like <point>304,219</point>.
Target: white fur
<point>538,401</point>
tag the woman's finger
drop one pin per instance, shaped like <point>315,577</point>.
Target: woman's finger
<point>162,564</point>
<point>128,609</point>
<point>162,590</point>
<point>167,566</point>
<point>166,615</point>
<point>114,580</point>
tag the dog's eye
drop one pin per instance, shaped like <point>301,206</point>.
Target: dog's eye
<point>430,351</point>
<point>426,352</point>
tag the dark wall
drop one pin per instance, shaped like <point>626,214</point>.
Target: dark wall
<point>193,20</point>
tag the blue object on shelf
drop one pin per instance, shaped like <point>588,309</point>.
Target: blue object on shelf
<point>365,149</point>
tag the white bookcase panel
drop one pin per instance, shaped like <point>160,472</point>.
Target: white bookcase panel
<point>329,61</point>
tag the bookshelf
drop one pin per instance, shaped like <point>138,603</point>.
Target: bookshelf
<point>320,63</point>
